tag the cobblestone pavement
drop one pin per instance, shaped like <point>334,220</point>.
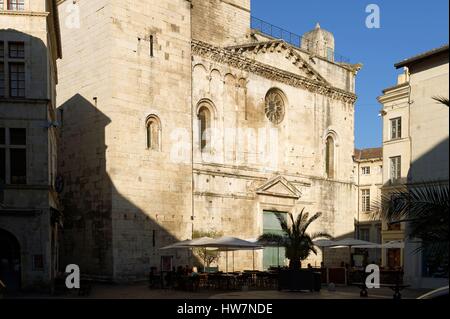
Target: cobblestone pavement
<point>141,291</point>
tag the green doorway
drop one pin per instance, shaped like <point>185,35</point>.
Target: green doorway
<point>273,256</point>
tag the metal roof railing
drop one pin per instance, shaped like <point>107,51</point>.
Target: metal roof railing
<point>290,37</point>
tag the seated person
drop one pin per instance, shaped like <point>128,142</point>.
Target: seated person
<point>194,272</point>
<point>195,278</point>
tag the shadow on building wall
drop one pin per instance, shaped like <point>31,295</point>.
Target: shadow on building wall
<point>98,219</point>
<point>430,169</point>
<point>432,166</point>
<point>27,227</point>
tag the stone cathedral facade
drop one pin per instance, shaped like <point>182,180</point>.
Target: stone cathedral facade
<point>178,117</point>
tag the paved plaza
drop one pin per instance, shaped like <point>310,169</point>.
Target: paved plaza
<point>141,291</point>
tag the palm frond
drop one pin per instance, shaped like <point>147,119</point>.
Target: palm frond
<point>299,218</point>
<point>415,202</point>
<point>320,235</point>
<point>425,209</point>
<point>311,220</point>
<point>442,100</point>
<point>283,222</point>
<point>272,239</point>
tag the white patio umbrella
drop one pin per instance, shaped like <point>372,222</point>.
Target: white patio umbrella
<point>374,246</point>
<point>391,244</point>
<point>324,243</point>
<point>230,244</point>
<point>190,244</point>
<point>181,244</point>
<point>351,243</point>
<point>233,242</point>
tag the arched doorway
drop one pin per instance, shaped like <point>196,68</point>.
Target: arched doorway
<point>10,272</point>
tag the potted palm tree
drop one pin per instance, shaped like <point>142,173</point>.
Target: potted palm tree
<point>298,245</point>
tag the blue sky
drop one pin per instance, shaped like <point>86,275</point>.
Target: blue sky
<point>408,27</point>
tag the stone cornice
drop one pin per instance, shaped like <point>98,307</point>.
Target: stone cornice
<point>236,6</point>
<point>228,57</point>
<point>395,93</point>
<point>24,13</point>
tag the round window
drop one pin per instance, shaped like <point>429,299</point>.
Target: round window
<point>275,108</point>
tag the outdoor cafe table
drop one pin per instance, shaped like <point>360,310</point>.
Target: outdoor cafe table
<point>230,279</point>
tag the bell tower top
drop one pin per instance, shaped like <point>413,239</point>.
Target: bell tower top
<point>320,42</point>
<point>221,22</point>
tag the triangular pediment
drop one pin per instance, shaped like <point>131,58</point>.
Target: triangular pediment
<point>276,53</point>
<point>279,187</point>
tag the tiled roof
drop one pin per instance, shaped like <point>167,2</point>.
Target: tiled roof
<point>368,154</point>
<point>421,56</point>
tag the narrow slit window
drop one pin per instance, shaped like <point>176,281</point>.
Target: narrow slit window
<point>204,118</point>
<point>154,238</point>
<point>151,46</point>
<point>153,134</point>
<point>330,157</point>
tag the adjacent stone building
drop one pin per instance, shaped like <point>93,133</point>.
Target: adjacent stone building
<point>178,117</point>
<point>415,143</point>
<point>29,206</point>
<point>369,168</point>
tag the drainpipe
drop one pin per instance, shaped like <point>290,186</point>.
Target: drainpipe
<point>359,203</point>
<point>192,126</point>
<point>405,231</point>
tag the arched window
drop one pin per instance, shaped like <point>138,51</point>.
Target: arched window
<point>330,157</point>
<point>153,127</point>
<point>204,120</point>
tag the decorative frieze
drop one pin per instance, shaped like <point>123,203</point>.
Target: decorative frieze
<point>236,60</point>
